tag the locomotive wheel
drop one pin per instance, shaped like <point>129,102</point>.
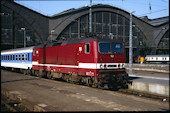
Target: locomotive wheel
<point>36,73</point>
<point>25,72</point>
<point>67,78</point>
<point>89,81</point>
<point>49,75</point>
<point>70,79</point>
<point>33,72</point>
<point>95,82</point>
<point>41,73</point>
<point>21,70</point>
<point>12,69</point>
<point>30,71</point>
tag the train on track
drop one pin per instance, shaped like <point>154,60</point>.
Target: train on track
<point>161,59</point>
<point>91,61</point>
<point>157,59</point>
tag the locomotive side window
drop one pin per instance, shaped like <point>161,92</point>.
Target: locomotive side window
<point>87,48</point>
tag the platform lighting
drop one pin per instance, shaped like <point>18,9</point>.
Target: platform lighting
<point>90,17</point>
<point>52,35</point>
<point>130,44</point>
<point>23,29</point>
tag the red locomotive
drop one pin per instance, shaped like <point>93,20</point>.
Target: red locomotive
<point>91,61</point>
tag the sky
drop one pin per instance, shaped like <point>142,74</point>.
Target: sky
<point>151,8</point>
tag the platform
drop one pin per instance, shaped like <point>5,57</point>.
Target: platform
<point>150,82</point>
<point>150,67</point>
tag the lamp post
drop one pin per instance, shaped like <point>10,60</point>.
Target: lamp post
<point>90,17</point>
<point>52,35</point>
<point>23,29</point>
<point>130,45</point>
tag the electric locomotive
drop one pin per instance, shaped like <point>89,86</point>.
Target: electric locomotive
<point>91,61</point>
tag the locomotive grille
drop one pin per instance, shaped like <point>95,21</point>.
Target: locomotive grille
<point>112,66</point>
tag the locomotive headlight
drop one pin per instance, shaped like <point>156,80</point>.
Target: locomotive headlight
<point>118,65</point>
<point>123,65</point>
<point>105,66</point>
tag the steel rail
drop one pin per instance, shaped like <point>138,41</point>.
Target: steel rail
<point>144,94</point>
<point>8,106</point>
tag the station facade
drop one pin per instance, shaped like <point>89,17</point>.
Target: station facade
<point>150,36</point>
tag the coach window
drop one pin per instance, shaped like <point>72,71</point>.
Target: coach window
<point>23,55</point>
<point>13,57</point>
<point>87,48</point>
<point>28,57</point>
<point>19,57</point>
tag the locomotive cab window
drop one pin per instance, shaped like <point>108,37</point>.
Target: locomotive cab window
<point>87,48</point>
<point>106,47</point>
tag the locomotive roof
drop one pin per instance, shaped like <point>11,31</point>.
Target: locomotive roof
<point>74,41</point>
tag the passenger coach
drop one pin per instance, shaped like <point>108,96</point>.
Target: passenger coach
<point>20,58</point>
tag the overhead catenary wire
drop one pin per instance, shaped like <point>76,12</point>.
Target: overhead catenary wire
<point>152,12</point>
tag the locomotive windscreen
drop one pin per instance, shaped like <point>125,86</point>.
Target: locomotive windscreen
<point>110,47</point>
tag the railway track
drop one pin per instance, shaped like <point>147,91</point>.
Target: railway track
<point>11,105</point>
<point>144,95</point>
<point>8,107</point>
